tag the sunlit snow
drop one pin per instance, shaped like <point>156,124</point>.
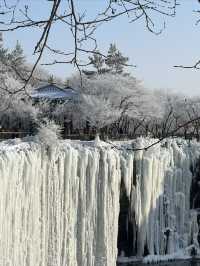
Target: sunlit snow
<point>60,205</point>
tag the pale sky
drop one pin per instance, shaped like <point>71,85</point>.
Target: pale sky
<point>154,55</point>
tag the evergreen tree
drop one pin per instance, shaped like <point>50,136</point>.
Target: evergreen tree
<point>51,80</point>
<point>3,51</point>
<point>1,40</point>
<point>115,60</point>
<point>97,62</point>
<point>17,55</point>
<point>67,83</point>
<point>3,60</point>
<point>16,63</point>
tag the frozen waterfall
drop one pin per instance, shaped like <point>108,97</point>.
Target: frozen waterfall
<point>60,206</point>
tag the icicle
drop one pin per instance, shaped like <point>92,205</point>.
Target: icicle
<point>61,207</point>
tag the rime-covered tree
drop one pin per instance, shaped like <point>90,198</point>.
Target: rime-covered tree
<point>3,54</point>
<point>16,109</point>
<point>97,61</point>
<point>115,61</point>
<point>17,55</point>
<point>98,111</point>
<point>1,39</point>
<point>108,97</point>
<point>51,79</point>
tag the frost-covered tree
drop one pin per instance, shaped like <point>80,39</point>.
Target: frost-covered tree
<point>14,61</point>
<point>97,61</point>
<point>17,55</point>
<point>49,133</point>
<point>3,51</point>
<point>98,111</point>
<point>115,61</point>
<point>51,79</point>
<point>125,92</point>
<point>16,109</point>
<point>184,110</point>
<point>107,94</point>
<point>179,112</point>
<point>1,39</point>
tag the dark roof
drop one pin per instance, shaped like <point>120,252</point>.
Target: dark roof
<point>52,91</point>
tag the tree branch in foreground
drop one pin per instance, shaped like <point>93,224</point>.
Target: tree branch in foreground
<point>171,133</point>
<point>82,29</point>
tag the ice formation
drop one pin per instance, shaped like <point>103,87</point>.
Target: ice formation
<point>60,206</point>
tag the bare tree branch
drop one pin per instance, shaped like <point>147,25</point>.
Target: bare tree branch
<point>83,30</point>
<point>171,133</point>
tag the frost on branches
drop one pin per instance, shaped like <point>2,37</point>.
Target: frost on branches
<point>98,111</point>
<point>48,133</point>
<point>17,111</point>
<point>106,98</point>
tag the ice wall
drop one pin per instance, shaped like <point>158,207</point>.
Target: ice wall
<point>60,206</point>
<point>160,197</point>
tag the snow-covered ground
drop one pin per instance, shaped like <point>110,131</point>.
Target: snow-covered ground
<point>59,205</point>
<point>151,259</point>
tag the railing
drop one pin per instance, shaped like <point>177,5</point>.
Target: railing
<point>13,134</point>
<point>84,136</point>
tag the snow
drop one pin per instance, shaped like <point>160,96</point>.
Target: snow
<point>150,259</point>
<point>54,205</point>
<point>60,206</point>
<point>169,257</point>
<point>54,92</point>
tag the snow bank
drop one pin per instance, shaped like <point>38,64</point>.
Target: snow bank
<point>169,257</point>
<point>60,206</point>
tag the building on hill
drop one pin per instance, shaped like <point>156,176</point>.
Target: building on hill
<point>52,92</point>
